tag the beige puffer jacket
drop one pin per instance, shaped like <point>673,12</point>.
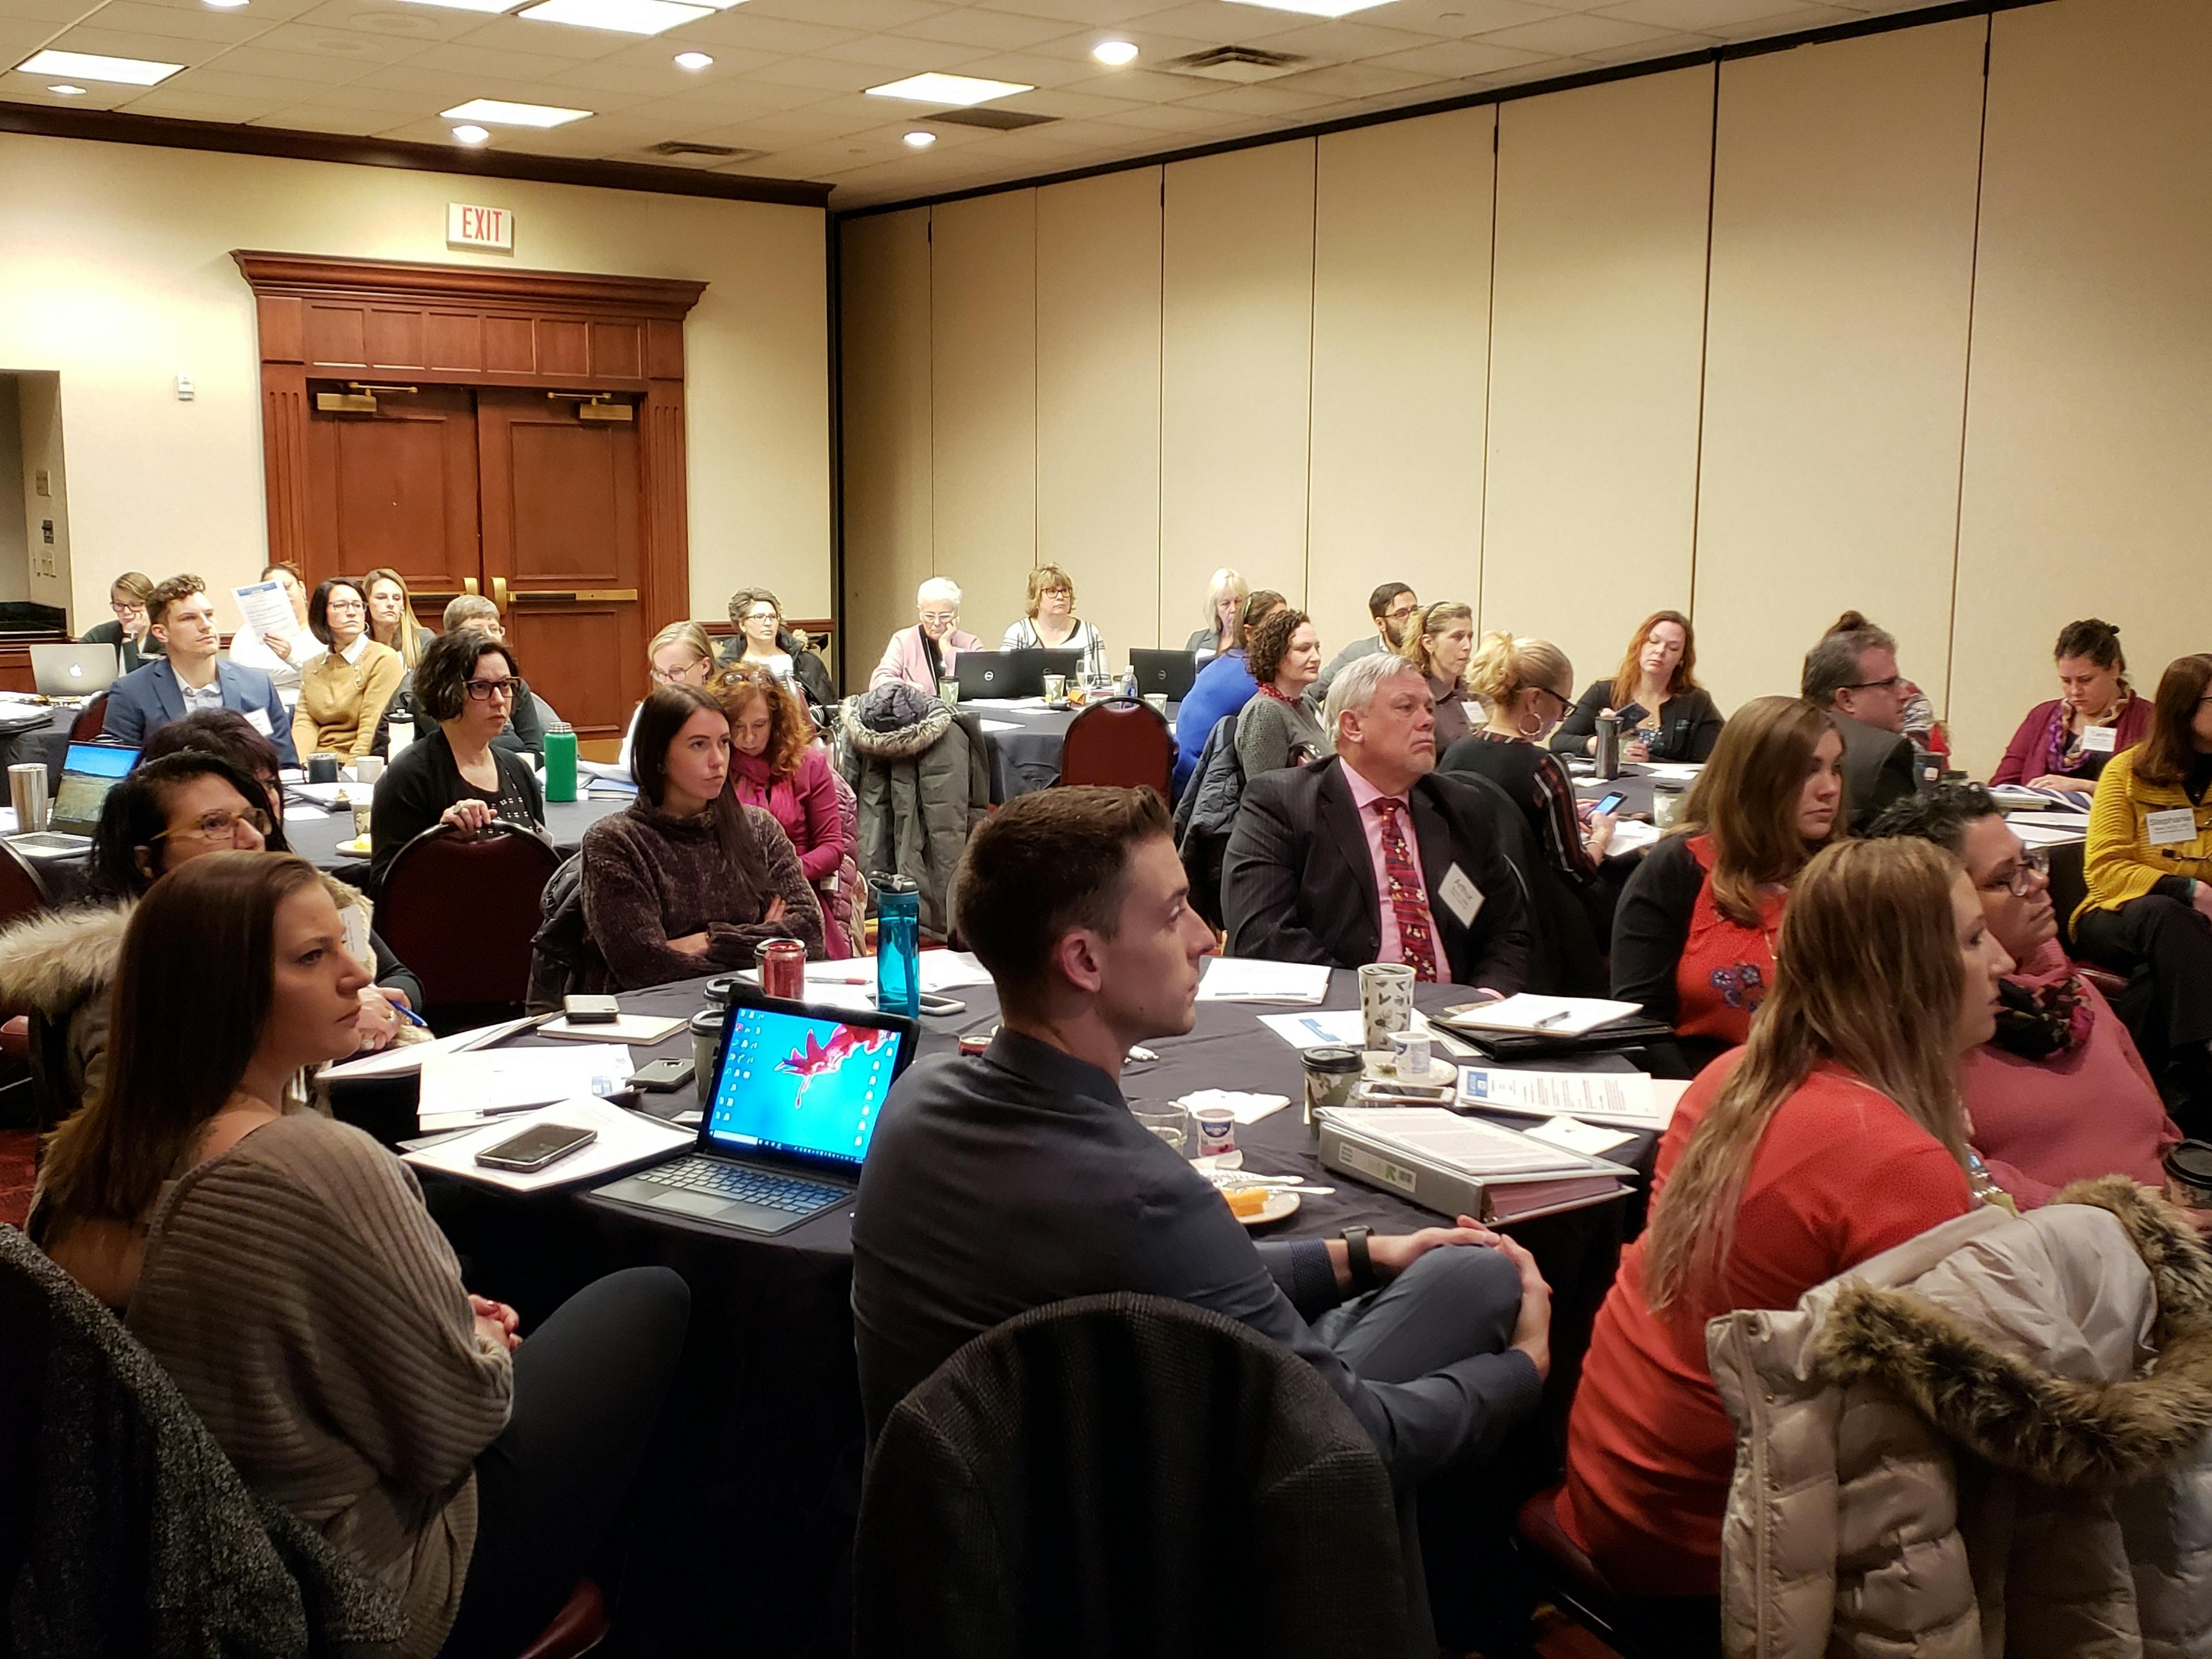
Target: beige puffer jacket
<point>1994,1439</point>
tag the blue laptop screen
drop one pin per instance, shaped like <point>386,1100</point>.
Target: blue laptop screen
<point>796,1084</point>
<point>99,760</point>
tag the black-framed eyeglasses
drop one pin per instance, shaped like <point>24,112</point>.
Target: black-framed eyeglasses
<point>1565,704</point>
<point>1398,614</point>
<point>217,826</point>
<point>1889,685</point>
<point>2034,864</point>
<point>485,690</point>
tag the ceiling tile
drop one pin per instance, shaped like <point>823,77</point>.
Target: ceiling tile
<point>50,11</point>
<point>1573,32</point>
<point>1142,86</point>
<point>821,73</point>
<point>1668,45</point>
<point>201,23</point>
<point>316,66</point>
<point>424,23</point>
<point>1456,60</point>
<point>1457,19</point>
<point>778,129</point>
<point>869,15</point>
<point>1058,100</point>
<point>1260,100</point>
<point>1217,23</point>
<point>1689,13</point>
<point>1356,79</point>
<point>31,90</point>
<point>1029,69</point>
<point>737,98</point>
<point>911,57</point>
<point>355,45</point>
<point>742,28</point>
<point>980,26</point>
<point>116,43</point>
<point>1345,42</point>
<point>542,40</point>
<point>1088,14</point>
<point>1787,20</point>
<point>1170,118</point>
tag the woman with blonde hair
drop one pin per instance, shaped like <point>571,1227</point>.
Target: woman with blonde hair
<point>1225,594</point>
<point>776,765</point>
<point>1664,713</point>
<point>1523,686</point>
<point>1438,641</point>
<point>682,653</point>
<point>1049,622</point>
<point>1836,1132</point>
<point>1694,935</point>
<point>391,615</point>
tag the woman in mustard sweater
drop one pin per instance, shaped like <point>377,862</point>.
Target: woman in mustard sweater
<point>2149,871</point>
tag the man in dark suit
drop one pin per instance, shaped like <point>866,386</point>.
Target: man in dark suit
<point>1852,673</point>
<point>193,674</point>
<point>1370,856</point>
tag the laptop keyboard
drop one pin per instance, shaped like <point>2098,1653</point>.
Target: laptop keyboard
<point>746,1186</point>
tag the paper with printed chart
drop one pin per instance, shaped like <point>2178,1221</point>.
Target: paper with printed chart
<point>1625,1100</point>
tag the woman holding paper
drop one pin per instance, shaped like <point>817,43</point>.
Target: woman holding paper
<point>282,1269</point>
<point>1835,1134</point>
<point>267,641</point>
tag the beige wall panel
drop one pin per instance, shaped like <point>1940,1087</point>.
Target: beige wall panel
<point>1401,324</point>
<point>1098,401</point>
<point>1597,327</point>
<point>2089,419</point>
<point>116,274</point>
<point>884,341</point>
<point>983,392</point>
<point>1836,356</point>
<point>1236,372</point>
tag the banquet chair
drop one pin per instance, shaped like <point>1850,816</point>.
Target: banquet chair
<point>1568,1578</point>
<point>1130,1476</point>
<point>22,890</point>
<point>460,910</point>
<point>91,720</point>
<point>1124,741</point>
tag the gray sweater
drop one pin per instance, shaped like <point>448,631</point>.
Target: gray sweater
<point>1271,734</point>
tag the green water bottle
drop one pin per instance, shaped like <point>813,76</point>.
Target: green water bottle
<point>561,761</point>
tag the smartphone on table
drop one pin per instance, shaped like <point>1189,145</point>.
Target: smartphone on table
<point>535,1147</point>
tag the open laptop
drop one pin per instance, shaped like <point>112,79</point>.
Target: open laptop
<point>789,1119</point>
<point>74,670</point>
<point>1163,673</point>
<point>89,773</point>
<point>1012,673</point>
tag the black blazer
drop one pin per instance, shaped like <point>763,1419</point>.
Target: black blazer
<point>1879,766</point>
<point>1690,728</point>
<point>1297,884</point>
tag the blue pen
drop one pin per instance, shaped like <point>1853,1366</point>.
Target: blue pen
<point>410,1015</point>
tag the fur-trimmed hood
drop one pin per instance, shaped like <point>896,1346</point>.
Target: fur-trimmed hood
<point>899,742</point>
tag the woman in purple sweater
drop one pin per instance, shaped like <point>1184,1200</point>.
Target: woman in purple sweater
<point>687,882</point>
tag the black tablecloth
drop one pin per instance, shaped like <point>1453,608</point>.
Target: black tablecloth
<point>48,742</point>
<point>1028,757</point>
<point>758,1464</point>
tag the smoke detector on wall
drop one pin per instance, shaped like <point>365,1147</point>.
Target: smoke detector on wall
<point>1241,66</point>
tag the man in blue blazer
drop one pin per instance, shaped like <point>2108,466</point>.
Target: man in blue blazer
<point>193,675</point>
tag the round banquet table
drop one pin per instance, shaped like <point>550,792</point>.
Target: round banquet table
<point>757,1463</point>
<point>48,742</point>
<point>1026,757</point>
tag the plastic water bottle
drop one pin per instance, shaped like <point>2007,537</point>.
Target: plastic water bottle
<point>898,945</point>
<point>561,761</point>
<point>400,733</point>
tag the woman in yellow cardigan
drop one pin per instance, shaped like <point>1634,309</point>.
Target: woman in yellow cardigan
<point>343,692</point>
<point>2149,870</point>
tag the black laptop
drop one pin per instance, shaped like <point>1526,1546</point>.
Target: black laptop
<point>794,1106</point>
<point>1163,673</point>
<point>1012,673</point>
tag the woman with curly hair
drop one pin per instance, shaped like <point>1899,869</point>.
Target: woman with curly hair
<point>1276,728</point>
<point>775,764</point>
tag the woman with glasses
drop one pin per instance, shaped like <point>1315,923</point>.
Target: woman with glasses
<point>467,682</point>
<point>343,692</point>
<point>1439,641</point>
<point>925,653</point>
<point>1050,622</point>
<point>2149,870</point>
<point>128,633</point>
<point>765,643</point>
<point>682,653</point>
<point>169,811</point>
<point>1664,713</point>
<point>2059,1094</point>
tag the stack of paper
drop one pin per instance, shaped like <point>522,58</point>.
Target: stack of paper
<point>626,1140</point>
<point>643,1030</point>
<point>407,1059</point>
<point>1542,1016</point>
<point>1627,1100</point>
<point>1633,836</point>
<point>1245,979</point>
<point>461,1089</point>
<point>1347,1028</point>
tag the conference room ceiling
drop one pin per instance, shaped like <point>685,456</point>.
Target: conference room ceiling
<point>786,96</point>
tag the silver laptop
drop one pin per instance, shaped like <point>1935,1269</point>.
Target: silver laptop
<point>74,670</point>
<point>89,772</point>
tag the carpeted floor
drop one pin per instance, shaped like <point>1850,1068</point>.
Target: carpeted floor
<point>14,1175</point>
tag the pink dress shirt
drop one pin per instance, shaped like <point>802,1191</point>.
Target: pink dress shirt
<point>1363,796</point>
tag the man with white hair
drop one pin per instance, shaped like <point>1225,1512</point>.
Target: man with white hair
<point>924,654</point>
<point>1370,856</point>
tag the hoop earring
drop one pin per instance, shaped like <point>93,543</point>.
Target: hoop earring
<point>1526,731</point>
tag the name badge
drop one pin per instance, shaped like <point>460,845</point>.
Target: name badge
<point>2175,823</point>
<point>2099,739</point>
<point>259,719</point>
<point>1461,897</point>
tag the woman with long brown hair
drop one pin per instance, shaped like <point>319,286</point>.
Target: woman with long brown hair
<point>1834,1134</point>
<point>2149,870</point>
<point>685,880</point>
<point>776,765</point>
<point>1664,713</point>
<point>1693,934</point>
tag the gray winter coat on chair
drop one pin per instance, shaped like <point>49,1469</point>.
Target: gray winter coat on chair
<point>922,776</point>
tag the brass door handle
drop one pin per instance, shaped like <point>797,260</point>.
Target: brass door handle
<point>588,595</point>
<point>499,591</point>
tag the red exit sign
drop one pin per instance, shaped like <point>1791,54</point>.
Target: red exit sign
<point>479,227</point>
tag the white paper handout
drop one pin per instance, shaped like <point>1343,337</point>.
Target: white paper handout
<point>407,1059</point>
<point>1347,1028</point>
<point>1544,1016</point>
<point>1627,1100</point>
<point>1577,1136</point>
<point>1246,1107</point>
<point>1470,1145</point>
<point>625,1139</point>
<point>464,1088</point>
<point>643,1030</point>
<point>1246,979</point>
<point>1633,836</point>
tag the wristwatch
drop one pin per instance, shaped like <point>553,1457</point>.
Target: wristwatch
<point>1363,1265</point>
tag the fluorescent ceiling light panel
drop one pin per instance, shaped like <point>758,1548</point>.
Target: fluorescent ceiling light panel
<point>958,90</point>
<point>90,66</point>
<point>1315,8</point>
<point>486,6</point>
<point>500,114</point>
<point>618,16</point>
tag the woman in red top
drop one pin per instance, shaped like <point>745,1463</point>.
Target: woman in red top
<point>1694,935</point>
<point>776,763</point>
<point>1835,1134</point>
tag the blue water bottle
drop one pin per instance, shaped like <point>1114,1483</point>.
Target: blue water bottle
<point>898,945</point>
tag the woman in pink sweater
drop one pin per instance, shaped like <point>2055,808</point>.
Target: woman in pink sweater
<point>775,764</point>
<point>2060,1093</point>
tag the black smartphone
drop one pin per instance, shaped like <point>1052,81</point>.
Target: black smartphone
<point>1610,802</point>
<point>662,1076</point>
<point>535,1147</point>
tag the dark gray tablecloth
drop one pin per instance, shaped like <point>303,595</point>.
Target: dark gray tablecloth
<point>48,742</point>
<point>760,1455</point>
<point>1028,757</point>
<point>317,840</point>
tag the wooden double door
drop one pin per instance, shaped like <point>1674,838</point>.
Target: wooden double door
<point>505,492</point>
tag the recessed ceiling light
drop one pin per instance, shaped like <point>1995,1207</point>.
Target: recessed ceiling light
<point>617,16</point>
<point>1114,53</point>
<point>67,90</point>
<point>956,89</point>
<point>500,114</point>
<point>226,5</point>
<point>1315,8</point>
<point>693,60</point>
<point>90,66</point>
<point>470,5</point>
<point>471,135</point>
<point>919,140</point>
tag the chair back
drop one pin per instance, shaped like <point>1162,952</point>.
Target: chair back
<point>91,720</point>
<point>1088,1478</point>
<point>22,889</point>
<point>460,910</point>
<point>2069,885</point>
<point>1123,740</point>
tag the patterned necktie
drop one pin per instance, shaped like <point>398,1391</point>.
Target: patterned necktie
<point>1416,948</point>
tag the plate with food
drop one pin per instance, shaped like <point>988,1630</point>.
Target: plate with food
<point>1256,1206</point>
